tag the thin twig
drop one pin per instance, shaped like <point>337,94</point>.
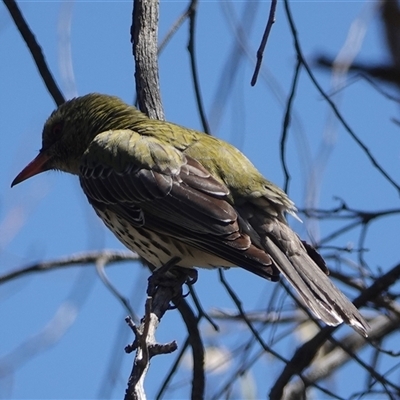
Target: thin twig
<point>200,308</point>
<point>331,103</point>
<point>305,354</point>
<point>174,368</point>
<point>36,51</point>
<point>381,327</point>
<point>260,51</point>
<point>232,66</point>
<point>238,304</point>
<point>110,256</point>
<point>178,23</point>
<point>196,342</point>
<point>286,123</point>
<point>101,263</point>
<point>192,11</point>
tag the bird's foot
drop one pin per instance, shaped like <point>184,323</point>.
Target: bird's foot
<point>190,278</point>
<point>162,276</point>
<point>171,276</point>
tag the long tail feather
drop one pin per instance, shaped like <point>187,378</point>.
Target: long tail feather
<point>309,280</point>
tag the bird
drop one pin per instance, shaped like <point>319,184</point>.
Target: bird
<point>179,196</point>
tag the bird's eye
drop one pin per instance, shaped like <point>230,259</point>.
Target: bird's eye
<point>57,129</point>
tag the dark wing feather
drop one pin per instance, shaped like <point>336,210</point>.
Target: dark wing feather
<point>174,195</point>
<point>189,205</point>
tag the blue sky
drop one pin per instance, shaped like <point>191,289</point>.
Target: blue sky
<point>48,216</point>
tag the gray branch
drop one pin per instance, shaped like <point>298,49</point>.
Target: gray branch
<point>144,38</point>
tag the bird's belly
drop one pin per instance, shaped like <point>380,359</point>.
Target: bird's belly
<point>157,248</point>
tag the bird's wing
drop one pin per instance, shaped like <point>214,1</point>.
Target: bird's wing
<point>153,184</point>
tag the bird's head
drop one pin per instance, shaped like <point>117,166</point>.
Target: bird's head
<point>70,129</point>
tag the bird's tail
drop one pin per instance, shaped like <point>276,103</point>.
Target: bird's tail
<point>295,261</point>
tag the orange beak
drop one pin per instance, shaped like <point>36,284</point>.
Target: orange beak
<point>38,165</point>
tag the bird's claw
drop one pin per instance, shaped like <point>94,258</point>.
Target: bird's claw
<point>171,277</point>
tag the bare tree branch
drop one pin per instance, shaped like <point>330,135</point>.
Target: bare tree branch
<point>192,11</point>
<point>35,50</point>
<point>381,326</point>
<point>144,38</point>
<point>145,342</point>
<point>238,304</point>
<point>305,354</point>
<point>196,342</point>
<point>260,51</point>
<point>274,323</point>
<point>108,256</point>
<point>360,143</point>
<point>286,123</point>
<point>174,28</point>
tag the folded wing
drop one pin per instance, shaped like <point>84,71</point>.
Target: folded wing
<point>155,185</point>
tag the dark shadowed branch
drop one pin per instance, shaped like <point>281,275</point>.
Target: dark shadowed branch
<point>306,353</point>
<point>381,326</point>
<point>286,124</point>
<point>196,342</point>
<point>260,51</point>
<point>35,50</point>
<point>192,12</point>
<point>335,110</point>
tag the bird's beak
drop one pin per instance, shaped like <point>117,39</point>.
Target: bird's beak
<point>38,165</point>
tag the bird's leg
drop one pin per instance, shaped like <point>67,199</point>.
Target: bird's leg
<point>188,276</point>
<point>169,275</point>
<point>192,276</point>
<point>159,276</point>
